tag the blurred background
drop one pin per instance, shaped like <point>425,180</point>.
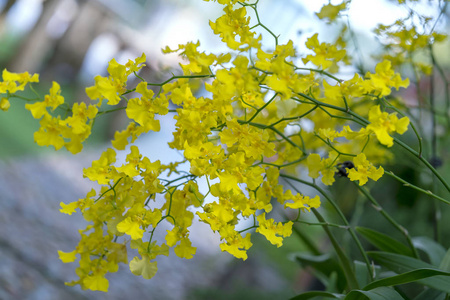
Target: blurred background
<point>72,41</point>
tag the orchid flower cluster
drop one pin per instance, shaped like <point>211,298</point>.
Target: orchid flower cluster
<point>268,114</point>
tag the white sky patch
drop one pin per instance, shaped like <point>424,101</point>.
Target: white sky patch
<point>98,56</point>
<point>291,129</point>
<point>307,125</point>
<point>60,21</point>
<point>366,15</point>
<point>23,15</point>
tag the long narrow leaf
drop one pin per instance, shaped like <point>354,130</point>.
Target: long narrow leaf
<point>312,294</point>
<point>397,262</point>
<point>383,242</point>
<point>407,277</point>
<point>433,250</point>
<point>401,264</point>
<point>445,263</point>
<point>381,293</point>
<point>352,283</point>
<point>324,264</point>
<point>431,294</point>
<point>361,273</point>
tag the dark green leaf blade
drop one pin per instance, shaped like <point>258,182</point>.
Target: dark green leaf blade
<point>445,262</point>
<point>324,264</point>
<point>383,242</point>
<point>402,264</point>
<point>431,294</point>
<point>407,277</point>
<point>312,294</point>
<point>380,293</point>
<point>433,250</point>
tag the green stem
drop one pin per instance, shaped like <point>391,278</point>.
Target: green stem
<point>328,143</point>
<point>424,161</point>
<point>410,123</point>
<point>111,189</point>
<point>34,91</point>
<point>341,216</point>
<point>110,110</point>
<point>360,120</point>
<point>283,165</point>
<point>22,98</point>
<point>322,224</point>
<point>446,83</point>
<point>394,223</point>
<point>173,78</point>
<point>317,71</point>
<point>135,74</point>
<point>255,9</point>
<point>307,241</point>
<point>263,126</point>
<point>405,183</point>
<point>262,107</point>
<point>345,263</point>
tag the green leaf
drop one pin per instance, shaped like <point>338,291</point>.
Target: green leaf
<point>361,272</point>
<point>352,283</point>
<point>407,277</point>
<point>312,294</point>
<point>445,263</point>
<point>401,264</point>
<point>324,264</point>
<point>380,293</point>
<point>383,242</point>
<point>397,262</point>
<point>431,294</point>
<point>433,250</point>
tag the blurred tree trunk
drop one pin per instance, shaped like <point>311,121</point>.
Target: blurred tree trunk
<point>70,49</point>
<point>3,15</point>
<point>37,43</point>
<point>6,8</point>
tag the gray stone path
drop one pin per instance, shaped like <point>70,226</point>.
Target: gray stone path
<point>32,230</point>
